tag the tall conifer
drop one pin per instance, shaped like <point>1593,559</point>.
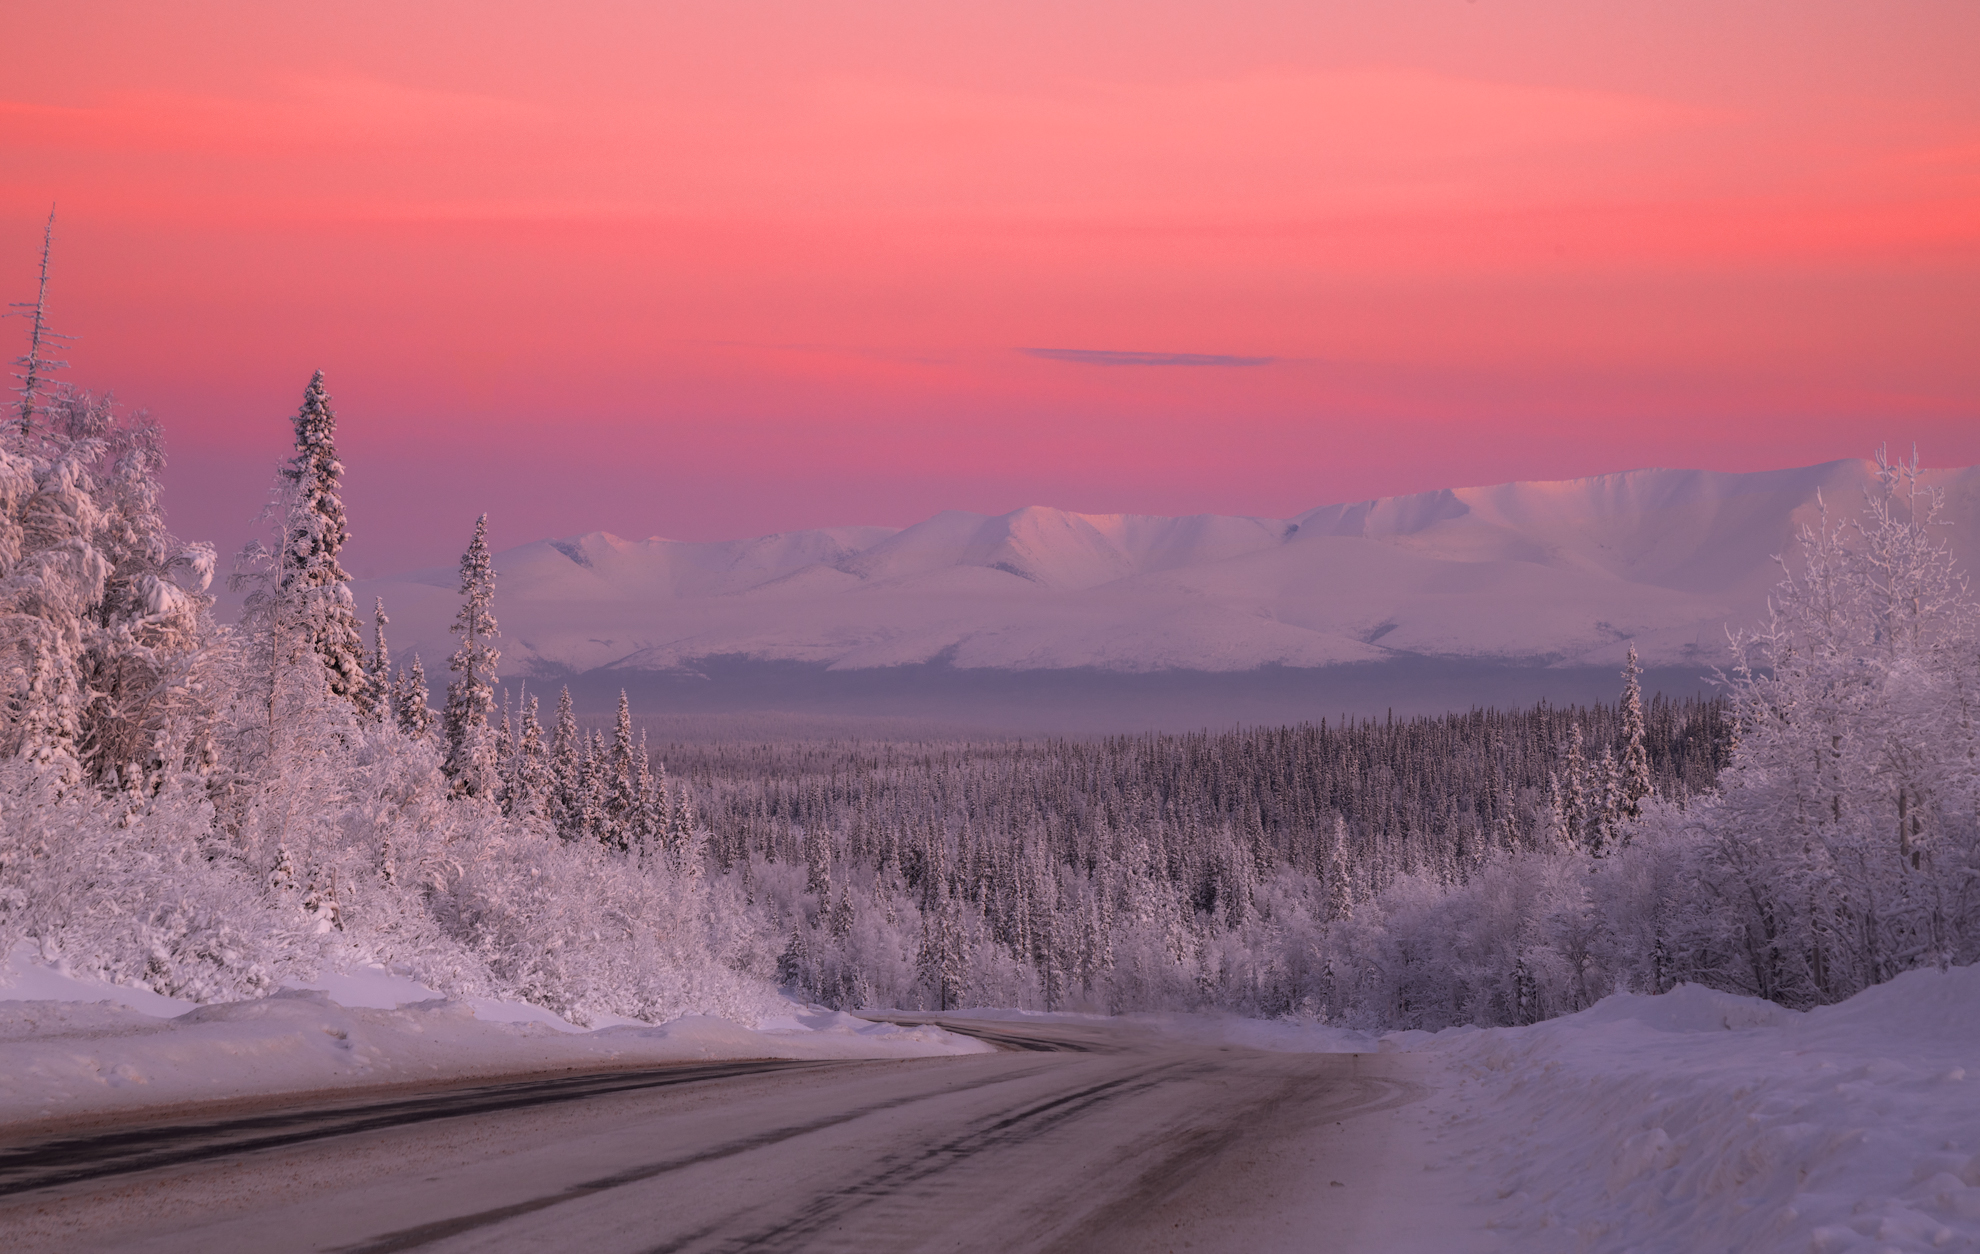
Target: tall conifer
<point>471,754</point>
<point>567,771</point>
<point>312,579</point>
<point>525,769</point>
<point>622,783</point>
<point>378,666</point>
<point>1574,798</point>
<point>1636,754</point>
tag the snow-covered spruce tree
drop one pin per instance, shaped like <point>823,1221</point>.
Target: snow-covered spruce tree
<point>378,666</point>
<point>285,729</point>
<point>595,790</point>
<point>1337,874</point>
<point>649,803</point>
<point>1604,826</point>
<point>503,736</point>
<point>1576,807</point>
<point>1636,781</point>
<point>310,571</point>
<point>532,770</point>
<point>622,808</point>
<point>472,763</point>
<point>566,800</point>
<point>409,703</point>
<point>526,773</point>
<point>683,829</point>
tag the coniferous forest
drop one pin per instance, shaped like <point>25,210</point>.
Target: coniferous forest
<point>209,810</point>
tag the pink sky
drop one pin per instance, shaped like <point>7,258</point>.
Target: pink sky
<point>715,269</point>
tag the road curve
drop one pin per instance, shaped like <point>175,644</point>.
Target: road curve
<point>1077,1135</point>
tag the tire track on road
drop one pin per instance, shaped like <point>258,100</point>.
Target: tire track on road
<point>1193,1150</point>
<point>423,1234</point>
<point>897,1176</point>
<point>69,1160</point>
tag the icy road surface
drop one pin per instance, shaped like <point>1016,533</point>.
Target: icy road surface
<point>1078,1136</point>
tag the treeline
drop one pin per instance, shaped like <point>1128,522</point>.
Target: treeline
<point>1415,795</point>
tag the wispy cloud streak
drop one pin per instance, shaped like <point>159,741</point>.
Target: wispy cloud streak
<point>1114,357</point>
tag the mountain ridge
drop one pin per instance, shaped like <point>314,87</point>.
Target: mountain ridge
<point>1535,573</point>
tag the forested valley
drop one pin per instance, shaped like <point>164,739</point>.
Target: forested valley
<point>211,810</point>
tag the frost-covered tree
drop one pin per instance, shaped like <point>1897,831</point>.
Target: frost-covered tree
<point>623,812</point>
<point>567,801</point>
<point>103,613</point>
<point>409,701</point>
<point>503,736</point>
<point>1636,780</point>
<point>526,777</point>
<point>378,667</point>
<point>311,575</point>
<point>649,802</point>
<point>1848,838</point>
<point>472,764</point>
<point>1576,800</point>
<point>1603,828</point>
<point>942,959</point>
<point>1337,874</point>
<point>683,828</point>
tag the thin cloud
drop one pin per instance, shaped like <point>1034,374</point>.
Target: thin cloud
<point>1114,357</point>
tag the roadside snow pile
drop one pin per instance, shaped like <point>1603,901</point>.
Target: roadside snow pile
<point>71,1046</point>
<point>1698,1120</point>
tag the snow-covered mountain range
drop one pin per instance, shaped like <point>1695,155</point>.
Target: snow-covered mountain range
<point>1559,574</point>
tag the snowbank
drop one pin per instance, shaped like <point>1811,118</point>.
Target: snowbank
<point>1697,1120</point>
<point>70,1046</point>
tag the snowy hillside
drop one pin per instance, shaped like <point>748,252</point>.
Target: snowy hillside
<point>1559,574</point>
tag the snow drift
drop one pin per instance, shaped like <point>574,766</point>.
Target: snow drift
<point>1699,1120</point>
<point>71,1045</point>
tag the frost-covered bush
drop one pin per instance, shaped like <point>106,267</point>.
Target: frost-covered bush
<point>128,896</point>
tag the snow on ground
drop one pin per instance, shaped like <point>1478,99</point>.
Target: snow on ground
<point>73,1047</point>
<point>1697,1120</point>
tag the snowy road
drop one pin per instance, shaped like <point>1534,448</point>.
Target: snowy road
<point>1078,1136</point>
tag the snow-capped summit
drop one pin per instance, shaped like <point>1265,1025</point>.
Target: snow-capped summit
<point>1551,574</point>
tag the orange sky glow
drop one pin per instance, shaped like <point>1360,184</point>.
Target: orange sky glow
<point>716,269</point>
